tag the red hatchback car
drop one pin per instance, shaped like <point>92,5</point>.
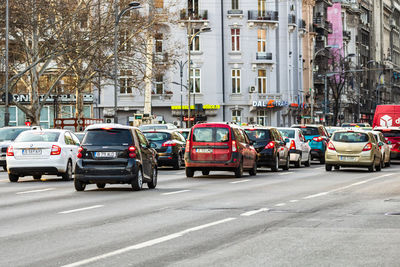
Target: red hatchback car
<point>219,147</point>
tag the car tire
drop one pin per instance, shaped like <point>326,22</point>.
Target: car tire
<point>372,167</point>
<point>13,177</point>
<point>5,168</point>
<point>378,168</point>
<point>276,164</point>
<point>387,164</point>
<point>67,176</point>
<point>79,186</point>
<point>322,160</point>
<point>308,162</point>
<point>37,177</point>
<point>205,172</point>
<point>328,167</point>
<point>287,165</point>
<point>239,170</point>
<point>101,185</point>
<point>337,168</point>
<point>178,163</point>
<point>297,164</point>
<point>154,178</point>
<point>189,172</point>
<point>253,171</point>
<point>137,182</point>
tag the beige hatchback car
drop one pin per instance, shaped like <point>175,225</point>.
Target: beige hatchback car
<point>353,148</point>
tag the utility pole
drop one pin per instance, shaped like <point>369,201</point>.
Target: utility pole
<point>149,64</point>
<point>7,113</point>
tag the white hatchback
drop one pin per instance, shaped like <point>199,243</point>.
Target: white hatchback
<point>39,152</point>
<point>299,149</point>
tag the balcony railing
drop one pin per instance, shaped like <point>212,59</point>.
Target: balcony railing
<point>263,56</point>
<point>347,34</point>
<point>302,24</point>
<point>235,12</point>
<point>194,15</point>
<point>292,19</point>
<point>263,15</point>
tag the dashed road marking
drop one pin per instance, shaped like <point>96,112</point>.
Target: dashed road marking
<point>175,192</point>
<point>252,212</point>
<point>284,173</point>
<point>81,209</point>
<point>35,191</point>
<point>293,201</point>
<point>241,181</point>
<point>280,205</point>
<point>316,195</point>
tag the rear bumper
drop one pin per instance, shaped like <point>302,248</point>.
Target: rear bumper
<point>266,158</point>
<point>55,162</point>
<point>25,171</point>
<point>213,165</point>
<point>317,153</point>
<point>394,154</point>
<point>166,159</point>
<point>363,159</point>
<point>294,155</point>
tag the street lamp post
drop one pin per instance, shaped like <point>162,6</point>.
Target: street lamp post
<point>6,112</point>
<point>181,65</point>
<point>131,6</point>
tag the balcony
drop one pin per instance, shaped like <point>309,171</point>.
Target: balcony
<point>235,13</point>
<point>267,17</point>
<point>302,24</point>
<point>196,16</point>
<point>292,19</point>
<point>346,35</point>
<point>160,58</point>
<point>322,26</point>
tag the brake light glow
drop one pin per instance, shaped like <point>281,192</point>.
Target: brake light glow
<point>270,145</point>
<point>169,143</point>
<point>367,147</point>
<point>234,147</point>
<point>331,146</point>
<point>55,150</point>
<point>80,149</point>
<point>292,145</point>
<point>132,153</point>
<point>303,126</point>
<point>10,151</point>
<point>318,139</point>
<point>106,128</point>
<point>132,149</point>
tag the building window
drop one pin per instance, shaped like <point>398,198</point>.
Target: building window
<point>195,46</point>
<point>263,118</point>
<point>262,7</point>
<point>45,117</point>
<point>124,40</point>
<point>13,116</point>
<point>235,4</point>
<point>261,40</point>
<point>67,112</point>
<point>195,81</point>
<point>159,85</point>
<point>237,116</point>
<point>235,39</point>
<point>262,81</point>
<point>159,3</point>
<point>236,81</point>
<point>159,43</point>
<point>125,82</point>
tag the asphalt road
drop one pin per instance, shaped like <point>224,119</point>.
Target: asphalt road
<point>301,217</point>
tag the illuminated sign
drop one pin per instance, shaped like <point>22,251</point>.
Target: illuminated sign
<point>193,107</point>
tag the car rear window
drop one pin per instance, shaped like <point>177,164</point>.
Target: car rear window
<point>153,127</point>
<point>185,134</point>
<point>205,134</point>
<point>101,137</point>
<point>350,137</point>
<point>391,133</point>
<point>287,133</point>
<point>258,135</point>
<point>309,131</point>
<point>10,133</point>
<point>38,136</point>
<point>157,137</point>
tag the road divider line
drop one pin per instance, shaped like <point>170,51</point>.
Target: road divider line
<point>280,205</point>
<point>316,195</point>
<point>175,192</point>
<point>81,209</point>
<point>35,191</point>
<point>241,181</point>
<point>293,201</point>
<point>283,173</point>
<point>252,212</point>
<point>148,243</point>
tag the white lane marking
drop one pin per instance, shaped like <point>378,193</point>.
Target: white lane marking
<point>175,192</point>
<point>283,173</point>
<point>35,191</point>
<point>147,243</point>
<point>81,209</point>
<point>4,180</point>
<point>252,212</point>
<point>241,181</point>
<point>293,201</point>
<point>280,205</point>
<point>316,195</point>
<point>318,168</point>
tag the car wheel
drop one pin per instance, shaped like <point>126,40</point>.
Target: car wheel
<point>276,165</point>
<point>308,162</point>
<point>154,177</point>
<point>239,170</point>
<point>5,168</point>
<point>328,167</point>
<point>79,186</point>
<point>253,171</point>
<point>189,172</point>
<point>13,177</point>
<point>372,167</point>
<point>287,165</point>
<point>297,164</point>
<point>387,164</point>
<point>322,160</point>
<point>101,185</point>
<point>205,172</point>
<point>67,176</point>
<point>137,182</point>
<point>178,163</point>
<point>379,166</point>
<point>337,168</point>
<point>37,177</point>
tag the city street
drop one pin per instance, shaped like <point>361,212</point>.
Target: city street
<point>300,217</point>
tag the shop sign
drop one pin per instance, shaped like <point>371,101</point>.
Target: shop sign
<point>23,98</point>
<point>271,103</point>
<point>193,107</point>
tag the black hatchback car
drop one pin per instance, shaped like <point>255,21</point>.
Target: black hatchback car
<point>170,146</point>
<point>270,146</point>
<point>115,154</point>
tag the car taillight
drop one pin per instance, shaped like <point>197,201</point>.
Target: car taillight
<point>132,151</point>
<point>270,145</point>
<point>234,147</point>
<point>187,146</point>
<point>367,147</point>
<point>331,146</point>
<point>10,151</point>
<point>318,139</point>
<point>169,143</point>
<point>80,149</point>
<point>55,150</point>
<point>292,145</point>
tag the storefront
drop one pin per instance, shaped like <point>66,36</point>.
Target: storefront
<point>276,113</point>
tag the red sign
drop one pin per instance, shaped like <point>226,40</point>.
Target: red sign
<point>28,123</point>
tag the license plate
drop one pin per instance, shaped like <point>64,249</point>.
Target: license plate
<point>31,152</point>
<point>105,154</point>
<point>343,158</point>
<point>204,150</point>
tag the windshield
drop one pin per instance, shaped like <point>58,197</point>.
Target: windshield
<point>38,136</point>
<point>10,133</point>
<point>103,137</point>
<point>153,127</point>
<point>309,131</point>
<point>80,136</point>
<point>287,133</point>
<point>258,135</point>
<point>350,137</point>
<point>157,137</point>
<point>211,135</point>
